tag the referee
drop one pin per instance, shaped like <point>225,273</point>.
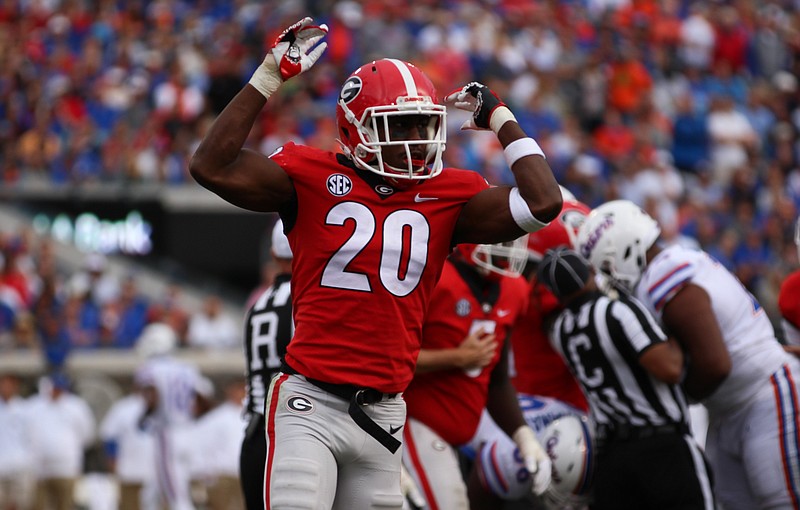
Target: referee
<point>630,373</point>
<point>267,331</point>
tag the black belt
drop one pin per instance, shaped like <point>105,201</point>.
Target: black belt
<point>625,432</point>
<point>358,397</point>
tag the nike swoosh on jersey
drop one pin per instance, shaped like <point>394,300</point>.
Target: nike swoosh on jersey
<point>419,198</point>
<point>392,429</point>
<point>503,313</point>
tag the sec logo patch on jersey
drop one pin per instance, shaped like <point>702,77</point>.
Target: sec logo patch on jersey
<point>299,405</point>
<point>463,307</point>
<point>339,185</point>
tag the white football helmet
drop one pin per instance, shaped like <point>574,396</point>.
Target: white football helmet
<point>507,259</point>
<point>615,238</point>
<point>157,339</point>
<point>569,445</point>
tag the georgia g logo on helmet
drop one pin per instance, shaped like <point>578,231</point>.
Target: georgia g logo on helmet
<point>350,89</point>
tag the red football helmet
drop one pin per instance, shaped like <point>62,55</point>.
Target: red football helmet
<point>562,231</point>
<point>370,97</point>
<point>504,259</point>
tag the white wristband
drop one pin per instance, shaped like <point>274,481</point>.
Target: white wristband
<point>522,213</point>
<point>266,79</point>
<point>521,148</point>
<point>499,117</point>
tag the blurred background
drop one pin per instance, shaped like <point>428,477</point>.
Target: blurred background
<point>688,108</point>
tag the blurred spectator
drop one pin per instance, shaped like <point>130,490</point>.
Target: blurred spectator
<point>690,136</point>
<point>16,459</point>
<point>697,37</point>
<point>593,86</point>
<point>732,139</point>
<point>723,81</point>
<point>24,334</point>
<point>171,311</point>
<point>614,140</point>
<point>123,320</point>
<point>629,81</point>
<point>702,190</point>
<point>758,112</point>
<point>10,309</point>
<point>38,148</point>
<point>58,450</point>
<point>11,275</point>
<point>81,322</point>
<point>218,438</point>
<point>770,46</point>
<point>192,445</point>
<point>731,42</point>
<point>211,327</point>
<point>49,313</point>
<point>129,450</point>
<point>168,386</point>
<point>103,286</point>
<point>751,258</point>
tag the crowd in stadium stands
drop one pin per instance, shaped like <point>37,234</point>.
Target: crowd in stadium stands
<point>46,307</point>
<point>690,109</point>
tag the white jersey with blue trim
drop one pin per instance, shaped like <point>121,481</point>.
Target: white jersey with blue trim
<point>746,330</point>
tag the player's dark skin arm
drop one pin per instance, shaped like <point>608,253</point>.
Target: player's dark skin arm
<point>502,402</point>
<point>690,319</point>
<point>243,177</point>
<point>503,406</point>
<point>486,218</point>
<point>664,361</point>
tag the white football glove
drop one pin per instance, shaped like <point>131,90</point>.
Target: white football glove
<point>534,457</point>
<point>291,54</point>
<point>488,110</point>
<point>412,497</point>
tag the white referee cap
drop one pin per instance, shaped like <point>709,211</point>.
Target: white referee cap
<point>563,271</point>
<point>280,244</point>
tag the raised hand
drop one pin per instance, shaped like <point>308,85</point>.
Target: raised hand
<point>488,110</point>
<point>292,53</point>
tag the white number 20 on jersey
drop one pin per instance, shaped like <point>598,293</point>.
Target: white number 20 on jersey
<point>335,275</point>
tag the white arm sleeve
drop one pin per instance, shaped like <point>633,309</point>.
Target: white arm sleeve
<point>522,214</point>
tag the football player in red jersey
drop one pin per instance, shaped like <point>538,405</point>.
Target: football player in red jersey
<point>370,229</point>
<point>463,367</point>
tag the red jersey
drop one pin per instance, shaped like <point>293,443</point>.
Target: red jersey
<point>366,259</point>
<point>538,369</point>
<point>450,401</point>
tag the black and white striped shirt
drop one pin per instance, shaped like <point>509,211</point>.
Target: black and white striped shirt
<point>601,339</point>
<point>267,331</point>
